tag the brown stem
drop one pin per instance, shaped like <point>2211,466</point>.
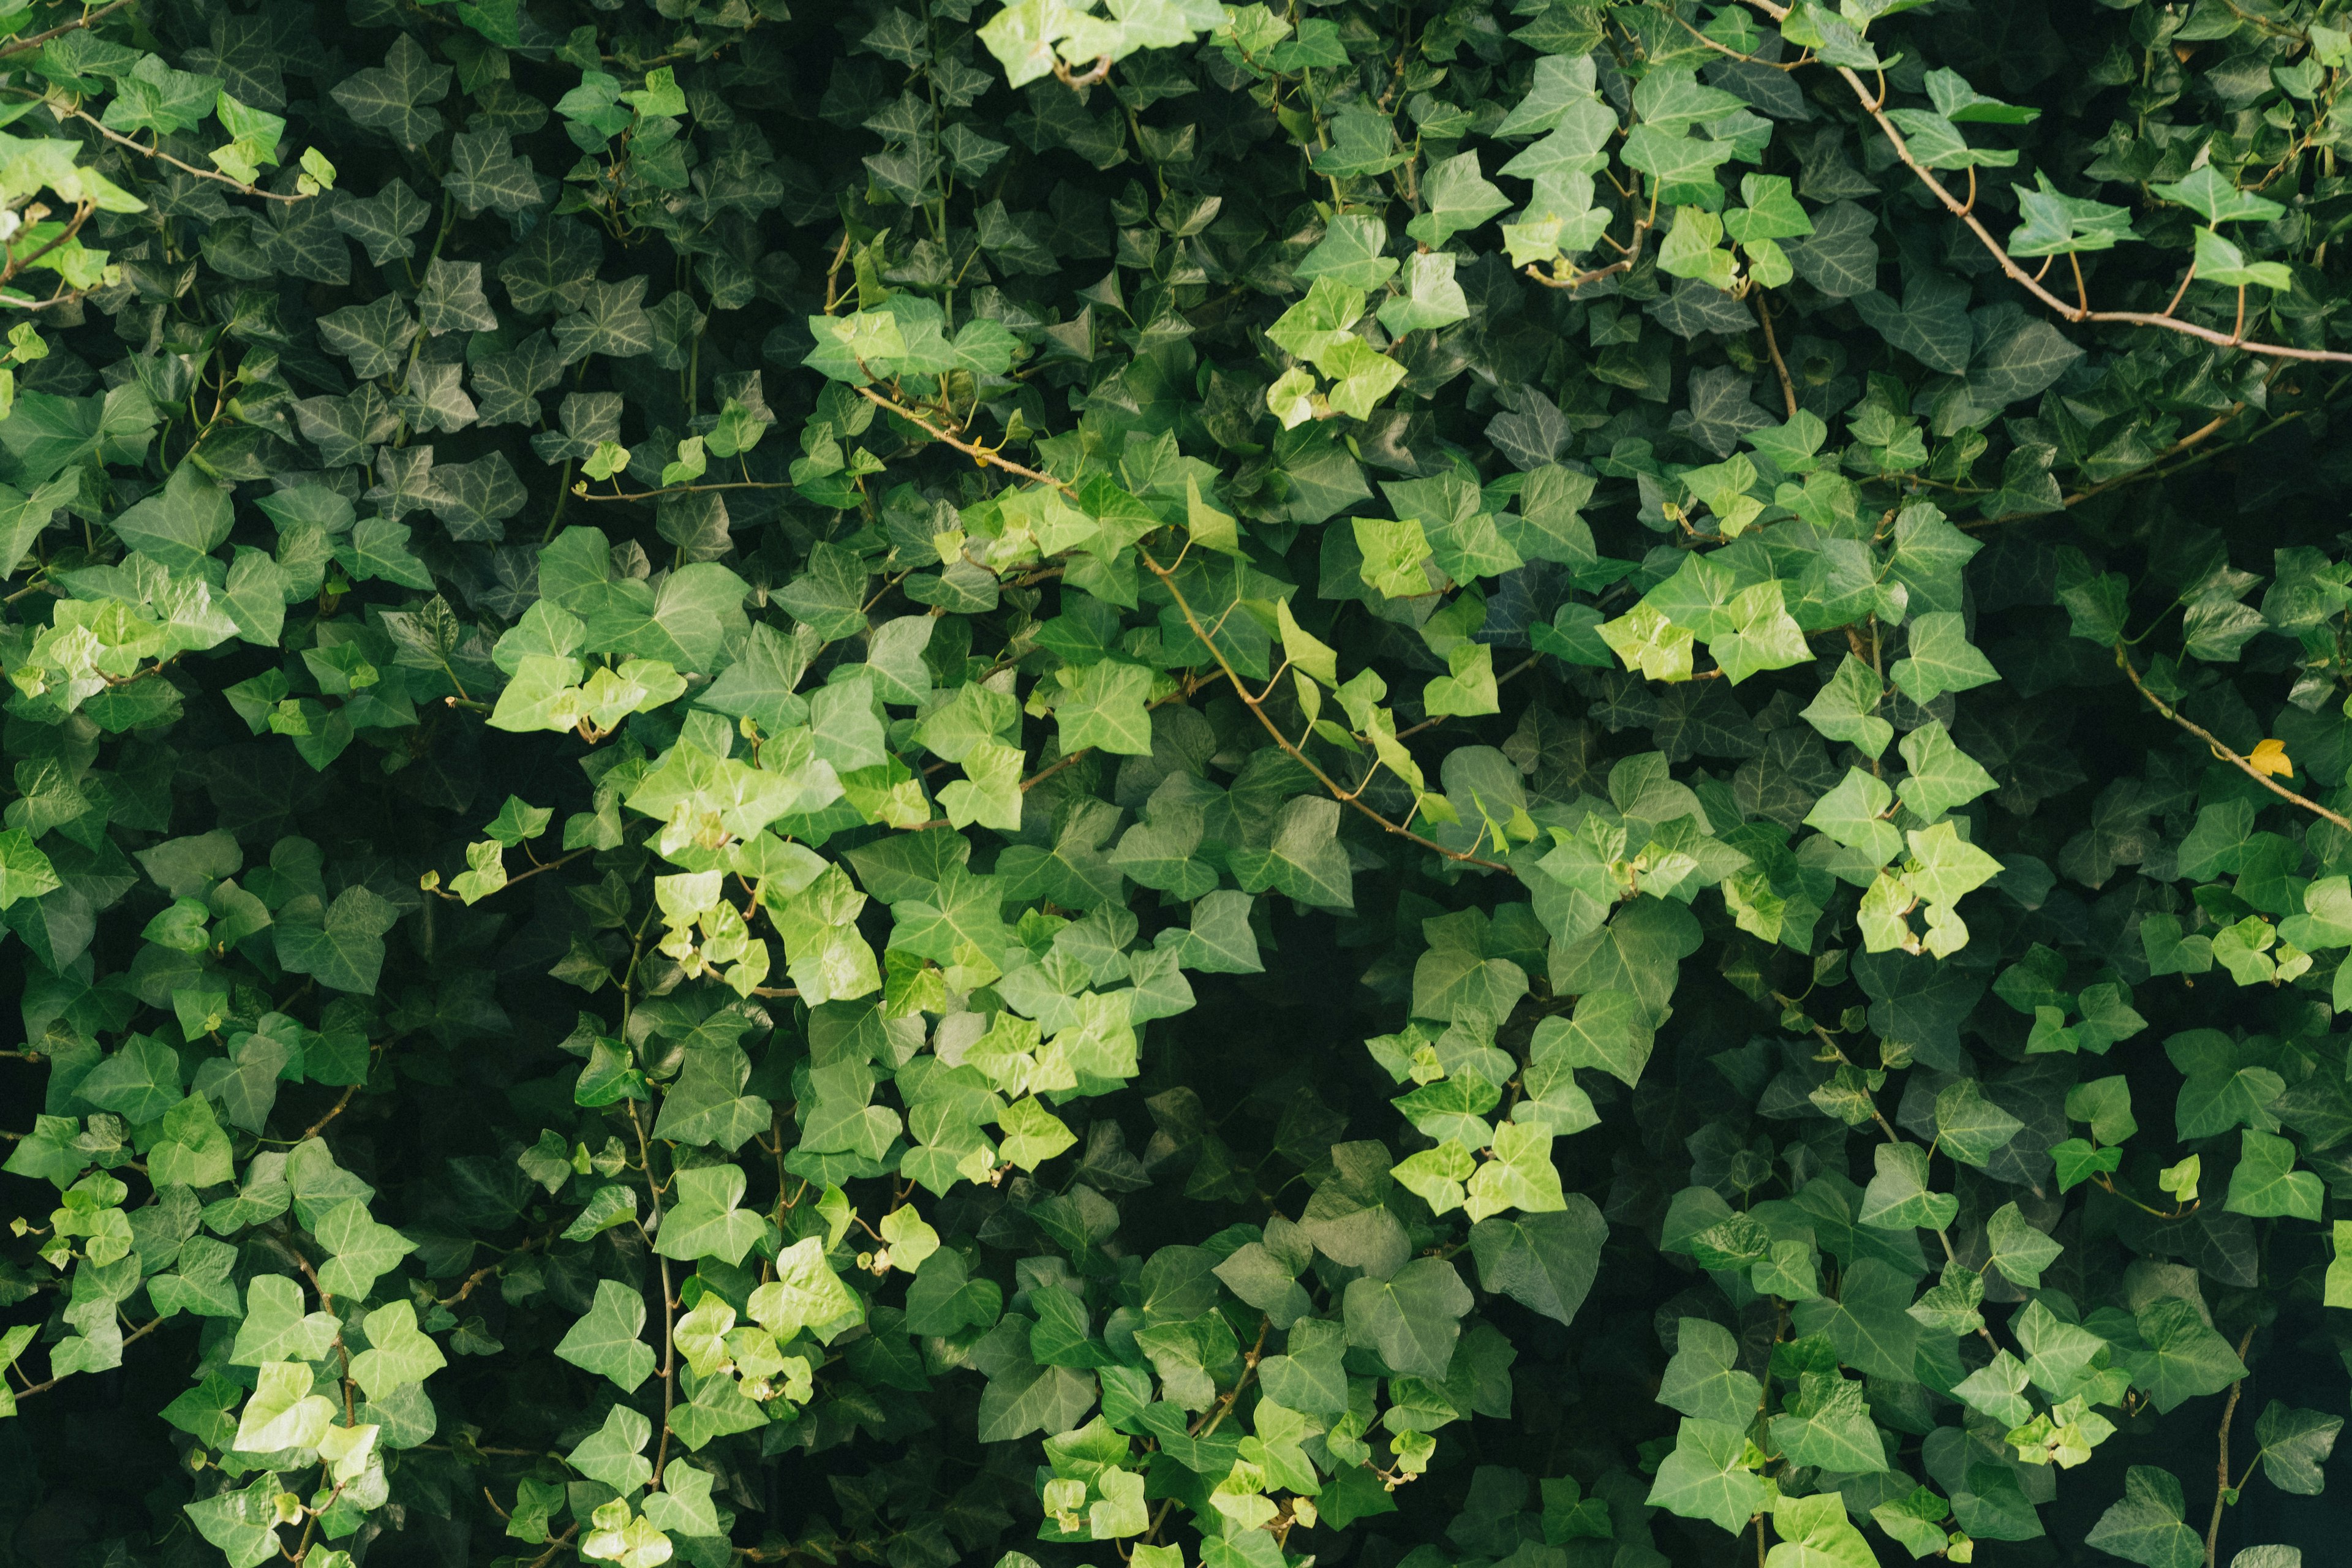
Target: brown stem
<point>555,1543</point>
<point>146,152</point>
<point>669,1303</point>
<point>17,263</point>
<point>140,1332</point>
<point>484,1272</point>
<point>1625,263</point>
<point>834,272</point>
<point>980,454</point>
<point>1168,581</point>
<point>2180,293</point>
<point>2221,1492</point>
<point>1094,77</point>
<point>2224,752</point>
<point>2154,470</point>
<point>1209,1422</point>
<point>581,489</point>
<point>333,1111</point>
<point>537,868</point>
<point>1772,347</point>
<point>326,1304</point>
<point>1723,48</point>
<point>668,1373</point>
<point>1509,675</point>
<point>22,46</point>
<point>1167,578</point>
<point>1050,769</point>
<point>2030,282</point>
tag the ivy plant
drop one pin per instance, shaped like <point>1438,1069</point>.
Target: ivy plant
<point>1424,782</point>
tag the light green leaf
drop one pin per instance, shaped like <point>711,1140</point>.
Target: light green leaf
<point>805,1295</point>
<point>2266,1184</point>
<point>1708,1476</point>
<point>398,1352</point>
<point>1939,658</point>
<point>706,1223</point>
<point>610,1338</point>
<point>615,1453</point>
<point>364,1250</point>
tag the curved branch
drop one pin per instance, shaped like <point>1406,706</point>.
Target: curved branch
<point>62,297</point>
<point>537,866</point>
<point>982,456</point>
<point>19,263</point>
<point>2229,1414</point>
<point>2030,282</point>
<point>1505,679</point>
<point>120,139</point>
<point>1097,74</point>
<point>23,46</point>
<point>1625,263</point>
<point>2155,469</point>
<point>1167,576</point>
<point>2123,658</point>
<point>140,1332</point>
<point>581,489</point>
<point>1772,347</point>
<point>334,1110</point>
<point>1256,706</point>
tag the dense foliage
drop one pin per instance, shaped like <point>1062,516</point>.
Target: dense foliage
<point>1429,782</point>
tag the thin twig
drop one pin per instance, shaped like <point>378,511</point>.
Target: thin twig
<point>17,263</point>
<point>1573,280</point>
<point>2180,293</point>
<point>1204,1425</point>
<point>487,1269</point>
<point>1094,77</point>
<point>21,45</point>
<point>140,1332</point>
<point>1050,769</point>
<point>1503,679</point>
<point>832,273</point>
<point>2155,469</point>
<point>1721,48</point>
<point>669,1303</point>
<point>1167,579</point>
<point>555,1543</point>
<point>581,489</point>
<point>2223,751</point>
<point>2229,1412</point>
<point>333,1111</point>
<point>1256,706</point>
<point>1772,347</point>
<point>981,455</point>
<point>65,112</point>
<point>2030,282</point>
<point>537,867</point>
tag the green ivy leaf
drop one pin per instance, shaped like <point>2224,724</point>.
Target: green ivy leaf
<point>609,1339</point>
<point>2148,1525</point>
